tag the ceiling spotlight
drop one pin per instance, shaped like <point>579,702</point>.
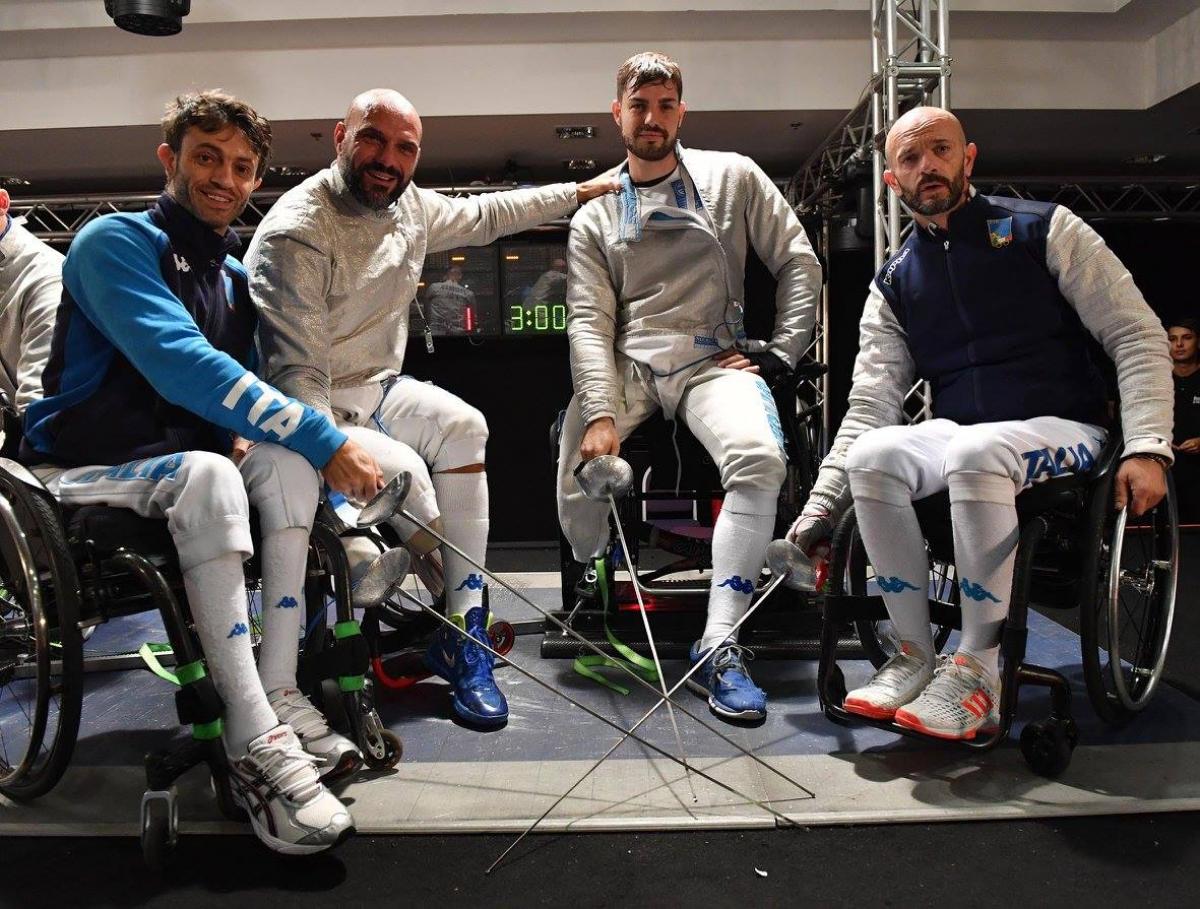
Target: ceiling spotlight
<point>1148,158</point>
<point>580,164</point>
<point>8,180</point>
<point>287,170</point>
<point>575,132</point>
<point>149,17</point>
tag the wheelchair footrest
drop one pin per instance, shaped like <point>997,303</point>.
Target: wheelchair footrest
<point>556,647</point>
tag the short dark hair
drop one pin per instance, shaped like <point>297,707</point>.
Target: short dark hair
<point>211,111</point>
<point>648,68</point>
<point>1190,324</point>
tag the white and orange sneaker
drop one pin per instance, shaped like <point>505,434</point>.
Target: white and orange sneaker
<point>897,682</point>
<point>961,700</point>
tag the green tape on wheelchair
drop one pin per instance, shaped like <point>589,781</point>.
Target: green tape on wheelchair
<point>342,630</point>
<point>149,653</point>
<point>347,629</point>
<point>627,657</point>
<point>204,732</point>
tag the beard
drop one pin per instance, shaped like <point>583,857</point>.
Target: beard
<point>936,206</point>
<point>179,188</point>
<point>376,200</point>
<point>641,148</point>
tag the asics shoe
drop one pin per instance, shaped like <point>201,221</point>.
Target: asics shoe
<point>276,783</point>
<point>459,660</point>
<point>897,682</point>
<point>959,702</point>
<point>336,755</point>
<point>726,683</point>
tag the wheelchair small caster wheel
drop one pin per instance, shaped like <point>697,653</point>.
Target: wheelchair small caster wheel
<point>1047,745</point>
<point>503,637</point>
<point>384,750</point>
<point>160,828</point>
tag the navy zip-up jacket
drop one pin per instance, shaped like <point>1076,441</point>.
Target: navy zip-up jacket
<point>986,323</point>
<point>152,351</point>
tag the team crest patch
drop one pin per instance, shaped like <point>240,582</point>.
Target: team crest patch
<point>1000,232</point>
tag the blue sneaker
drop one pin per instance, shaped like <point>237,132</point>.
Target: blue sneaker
<point>726,683</point>
<point>468,669</point>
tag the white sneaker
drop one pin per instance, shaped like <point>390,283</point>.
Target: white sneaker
<point>336,755</point>
<point>960,701</point>
<point>896,683</point>
<point>291,812</point>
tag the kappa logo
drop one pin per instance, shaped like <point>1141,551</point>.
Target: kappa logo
<point>1000,232</point>
<point>894,264</point>
<point>976,592</point>
<point>473,582</point>
<point>181,264</point>
<point>738,584</point>
<point>287,603</point>
<point>893,585</point>
<point>239,628</point>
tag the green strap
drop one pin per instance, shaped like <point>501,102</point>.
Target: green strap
<point>204,732</point>
<point>149,653</point>
<point>627,657</point>
<point>347,629</point>
<point>342,630</point>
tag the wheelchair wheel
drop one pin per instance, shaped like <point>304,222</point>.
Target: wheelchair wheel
<point>849,572</point>
<point>1126,614</point>
<point>41,650</point>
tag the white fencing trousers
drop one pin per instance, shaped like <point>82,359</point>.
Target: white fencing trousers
<point>414,426</point>
<point>922,457</point>
<point>203,496</point>
<point>729,411</point>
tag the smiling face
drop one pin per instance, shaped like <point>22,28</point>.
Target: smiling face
<point>649,117</point>
<point>378,147</point>
<point>213,174</point>
<point>929,161</point>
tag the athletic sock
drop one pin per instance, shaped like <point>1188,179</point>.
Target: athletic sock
<point>463,502</point>
<point>739,547</point>
<point>892,537</point>
<point>984,512</point>
<point>284,559</point>
<point>216,592</point>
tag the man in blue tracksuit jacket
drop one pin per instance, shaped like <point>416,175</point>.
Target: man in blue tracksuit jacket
<point>148,383</point>
<point>992,301</point>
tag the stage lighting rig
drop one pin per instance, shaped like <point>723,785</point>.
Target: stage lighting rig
<point>149,17</point>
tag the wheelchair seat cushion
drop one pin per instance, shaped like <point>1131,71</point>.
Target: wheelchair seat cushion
<point>110,529</point>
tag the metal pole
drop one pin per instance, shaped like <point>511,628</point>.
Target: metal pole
<point>943,41</point>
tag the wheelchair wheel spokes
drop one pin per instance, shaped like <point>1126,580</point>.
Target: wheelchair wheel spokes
<point>1140,602</point>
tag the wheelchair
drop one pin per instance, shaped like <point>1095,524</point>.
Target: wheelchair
<point>1121,571</point>
<point>605,609</point>
<point>64,569</point>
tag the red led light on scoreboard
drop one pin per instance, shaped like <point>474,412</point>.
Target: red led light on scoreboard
<point>470,313</point>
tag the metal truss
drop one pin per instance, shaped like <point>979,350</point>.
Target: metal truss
<point>1106,198</point>
<point>57,219</point>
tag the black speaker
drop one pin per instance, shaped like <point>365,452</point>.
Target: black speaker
<point>149,17</point>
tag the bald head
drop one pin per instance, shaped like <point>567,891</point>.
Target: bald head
<point>378,146</point>
<point>382,102</point>
<point>929,161</point>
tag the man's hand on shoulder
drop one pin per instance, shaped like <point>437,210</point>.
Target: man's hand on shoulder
<point>600,438</point>
<point>353,472</point>
<point>606,182</point>
<point>1141,484</point>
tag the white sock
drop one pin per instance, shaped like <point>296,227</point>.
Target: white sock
<point>984,511</point>
<point>284,559</point>
<point>463,501</point>
<point>892,537</point>
<point>216,591</point>
<point>739,548</point>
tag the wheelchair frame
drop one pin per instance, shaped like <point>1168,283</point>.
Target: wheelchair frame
<point>1053,531</point>
<point>72,583</point>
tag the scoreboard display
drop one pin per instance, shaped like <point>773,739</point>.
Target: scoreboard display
<point>508,289</point>
<point>535,288</point>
